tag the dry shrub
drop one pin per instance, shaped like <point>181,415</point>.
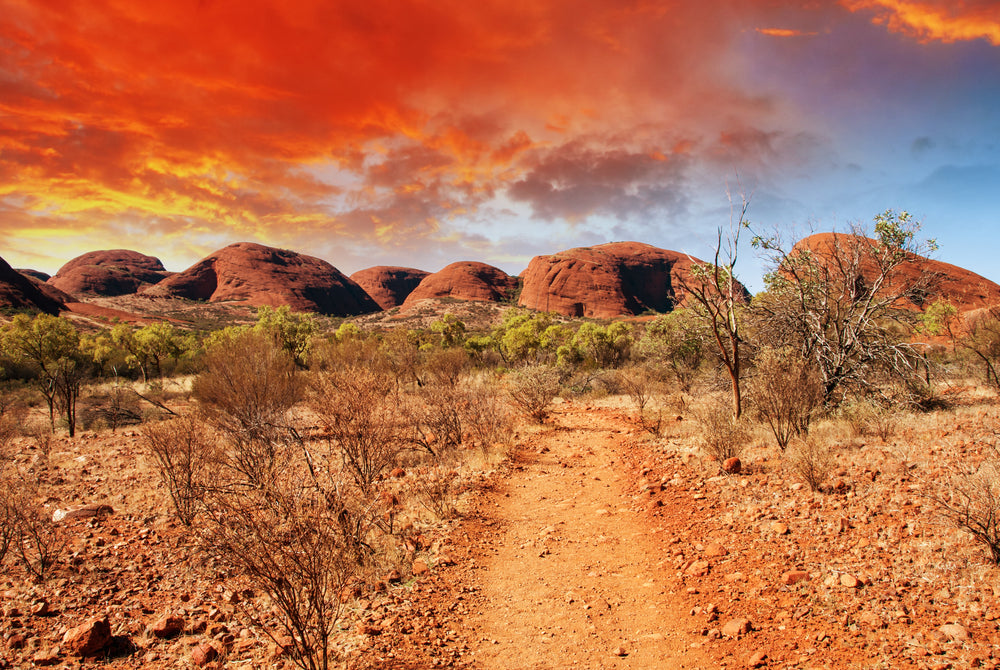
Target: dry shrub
<point>722,435</point>
<point>185,453</point>
<point>532,389</point>
<point>488,419</point>
<point>358,410</point>
<point>436,490</point>
<point>118,407</point>
<point>811,460</point>
<point>27,528</point>
<point>968,497</point>
<point>868,417</point>
<point>248,386</point>
<point>299,543</point>
<point>785,393</point>
<point>644,387</point>
<point>435,412</point>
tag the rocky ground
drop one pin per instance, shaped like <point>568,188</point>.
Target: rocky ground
<point>595,545</point>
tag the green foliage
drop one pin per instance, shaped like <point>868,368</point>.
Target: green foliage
<point>936,319</point>
<point>603,346</point>
<point>451,330</point>
<point>292,331</point>
<point>51,345</point>
<point>524,337</point>
<point>147,347</point>
<point>678,340</point>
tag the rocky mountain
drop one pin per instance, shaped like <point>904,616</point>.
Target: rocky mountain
<point>963,288</point>
<point>109,273</point>
<point>19,292</point>
<point>260,275</point>
<point>605,281</point>
<point>37,274</point>
<point>465,280</point>
<point>387,285</point>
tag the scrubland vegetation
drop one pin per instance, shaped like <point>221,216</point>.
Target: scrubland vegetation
<point>299,460</point>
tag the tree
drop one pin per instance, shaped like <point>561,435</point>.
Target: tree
<point>52,345</point>
<point>718,298</point>
<point>149,346</point>
<point>678,339</point>
<point>293,331</point>
<point>840,300</point>
<point>602,346</point>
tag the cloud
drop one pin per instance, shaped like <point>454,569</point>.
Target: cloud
<point>575,181</point>
<point>786,32</point>
<point>174,125</point>
<point>935,20</point>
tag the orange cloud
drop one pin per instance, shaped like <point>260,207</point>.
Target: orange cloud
<point>943,20</point>
<point>194,122</point>
<point>785,32</point>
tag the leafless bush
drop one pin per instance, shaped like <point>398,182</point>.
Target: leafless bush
<point>811,460</point>
<point>722,435</point>
<point>785,393</point>
<point>436,491</point>
<point>445,366</point>
<point>969,498</point>
<point>436,413</point>
<point>117,407</point>
<point>487,417</point>
<point>41,435</point>
<point>358,410</point>
<point>248,386</point>
<point>184,452</point>
<point>11,425</point>
<point>300,544</point>
<point>28,527</point>
<point>532,389</point>
<point>644,387</point>
<point>869,417</point>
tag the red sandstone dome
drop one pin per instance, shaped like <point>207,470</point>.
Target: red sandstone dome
<point>260,275</point>
<point>962,288</point>
<point>109,273</point>
<point>608,280</point>
<point>466,280</point>
<point>19,292</point>
<point>389,286</point>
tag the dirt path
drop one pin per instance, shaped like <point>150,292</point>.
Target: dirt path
<point>571,576</point>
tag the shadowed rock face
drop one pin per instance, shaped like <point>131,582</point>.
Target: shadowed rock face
<point>962,288</point>
<point>260,275</point>
<point>109,273</point>
<point>466,280</point>
<point>37,274</point>
<point>20,292</point>
<point>389,286</point>
<point>609,280</point>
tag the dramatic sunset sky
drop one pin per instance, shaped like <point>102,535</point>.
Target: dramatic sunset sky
<point>421,132</point>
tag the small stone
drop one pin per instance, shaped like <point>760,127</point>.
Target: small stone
<point>849,581</point>
<point>397,473</point>
<point>419,567</point>
<point>45,657</point>
<point>737,628</point>
<point>203,654</point>
<point>82,512</point>
<point>780,528</point>
<point>794,577</point>
<point>757,659</point>
<point>732,466</point>
<point>619,651</point>
<point>167,626</point>
<point>87,639</point>
<point>698,569</point>
<point>714,549</point>
<point>40,608</point>
<point>955,632</point>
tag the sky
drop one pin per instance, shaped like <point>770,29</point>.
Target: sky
<point>423,132</point>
